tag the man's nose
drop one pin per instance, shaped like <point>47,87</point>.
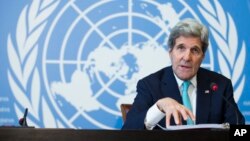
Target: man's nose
<point>187,55</point>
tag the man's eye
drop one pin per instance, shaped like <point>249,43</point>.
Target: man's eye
<point>180,48</point>
<point>196,51</point>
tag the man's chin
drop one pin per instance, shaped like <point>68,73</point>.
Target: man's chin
<point>185,77</point>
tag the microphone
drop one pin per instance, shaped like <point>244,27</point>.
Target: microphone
<point>23,121</point>
<point>214,87</point>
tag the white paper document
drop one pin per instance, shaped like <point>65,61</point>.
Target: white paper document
<point>197,126</point>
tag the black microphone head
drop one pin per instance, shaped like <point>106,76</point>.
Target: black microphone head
<point>214,86</point>
<point>22,122</point>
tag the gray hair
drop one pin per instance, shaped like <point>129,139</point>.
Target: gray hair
<point>189,28</point>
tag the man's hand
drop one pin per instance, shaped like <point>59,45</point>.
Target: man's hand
<point>171,107</point>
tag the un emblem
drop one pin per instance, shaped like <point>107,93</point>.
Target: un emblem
<point>95,52</point>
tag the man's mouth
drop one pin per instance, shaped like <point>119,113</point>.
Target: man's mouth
<point>185,67</point>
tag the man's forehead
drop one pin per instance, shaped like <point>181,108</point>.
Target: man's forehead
<point>188,41</point>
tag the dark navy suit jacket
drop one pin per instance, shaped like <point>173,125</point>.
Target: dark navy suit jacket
<point>210,107</point>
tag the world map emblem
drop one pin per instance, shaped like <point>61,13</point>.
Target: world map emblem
<point>92,57</point>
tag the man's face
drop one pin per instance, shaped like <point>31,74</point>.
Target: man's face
<point>186,56</point>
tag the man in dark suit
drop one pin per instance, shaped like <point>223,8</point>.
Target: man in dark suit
<point>184,93</point>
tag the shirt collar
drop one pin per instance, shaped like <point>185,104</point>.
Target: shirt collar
<point>193,81</point>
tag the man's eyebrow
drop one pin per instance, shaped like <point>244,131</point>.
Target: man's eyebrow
<point>196,46</point>
<point>180,44</point>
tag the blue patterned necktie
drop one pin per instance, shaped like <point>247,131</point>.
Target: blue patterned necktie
<point>186,100</point>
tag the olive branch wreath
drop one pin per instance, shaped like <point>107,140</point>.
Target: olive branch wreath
<point>224,32</point>
<point>23,75</point>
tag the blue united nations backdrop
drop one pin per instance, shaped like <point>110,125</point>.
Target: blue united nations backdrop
<point>73,62</point>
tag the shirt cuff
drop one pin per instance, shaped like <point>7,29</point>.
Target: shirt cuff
<point>153,116</point>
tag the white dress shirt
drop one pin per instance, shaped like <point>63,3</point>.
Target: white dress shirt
<point>154,115</point>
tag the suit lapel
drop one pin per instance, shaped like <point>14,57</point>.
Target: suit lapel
<point>203,97</point>
<point>169,88</point>
<point>169,85</point>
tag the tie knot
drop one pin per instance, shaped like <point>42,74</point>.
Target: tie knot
<point>185,85</point>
